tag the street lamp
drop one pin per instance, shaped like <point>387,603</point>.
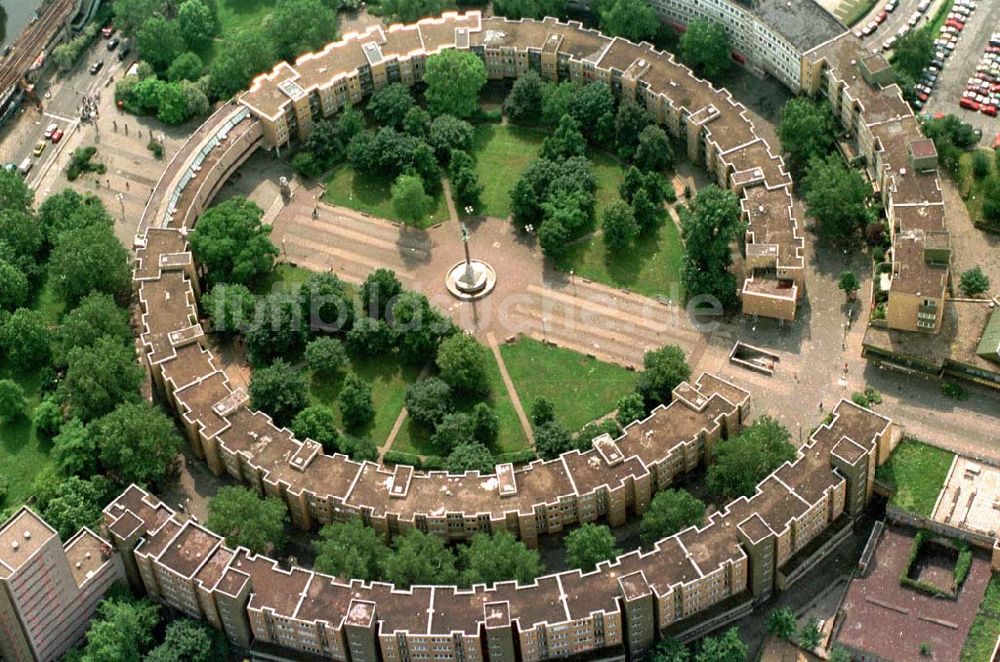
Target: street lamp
<point>545,333</point>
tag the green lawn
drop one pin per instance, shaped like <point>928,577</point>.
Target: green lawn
<point>23,452</point>
<point>991,601</point>
<point>916,472</point>
<point>981,640</point>
<point>609,176</point>
<point>649,268</point>
<point>581,388</point>
<point>388,378</point>
<point>285,277</point>
<point>414,438</point>
<point>235,16</point>
<point>854,11</point>
<point>972,189</point>
<point>372,196</point>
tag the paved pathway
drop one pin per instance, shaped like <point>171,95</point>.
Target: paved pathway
<point>508,383</point>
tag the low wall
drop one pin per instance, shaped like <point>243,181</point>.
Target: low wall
<point>900,516</point>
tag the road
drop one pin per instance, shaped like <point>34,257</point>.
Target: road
<point>61,101</point>
<point>895,21</point>
<point>962,65</point>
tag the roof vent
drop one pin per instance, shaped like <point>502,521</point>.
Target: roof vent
<point>15,545</point>
<point>27,535</point>
<point>760,208</point>
<point>78,565</point>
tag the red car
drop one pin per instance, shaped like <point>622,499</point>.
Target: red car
<point>57,135</point>
<point>107,31</point>
<point>969,104</point>
<point>958,25</point>
<point>882,15</point>
<point>988,109</point>
<point>923,96</point>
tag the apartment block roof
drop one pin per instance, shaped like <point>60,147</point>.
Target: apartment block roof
<point>23,535</point>
<point>804,23</point>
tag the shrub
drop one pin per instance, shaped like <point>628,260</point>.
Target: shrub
<point>156,147</point>
<point>980,164</point>
<point>954,391</point>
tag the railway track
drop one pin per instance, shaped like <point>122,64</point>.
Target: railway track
<point>31,42</point>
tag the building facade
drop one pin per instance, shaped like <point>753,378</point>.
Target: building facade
<point>49,591</point>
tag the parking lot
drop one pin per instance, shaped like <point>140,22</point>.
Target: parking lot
<point>962,65</point>
<point>894,21</point>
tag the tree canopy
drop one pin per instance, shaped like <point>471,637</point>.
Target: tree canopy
<point>664,369</point>
<point>837,197</point>
<point>463,363</point>
<point>247,519</point>
<point>470,456</point>
<point>100,377</point>
<point>420,558</point>
<point>300,26</point>
<point>319,423</point>
<point>745,459</point>
<point>187,640</point>
<point>232,242</point>
<point>589,544</point>
<point>453,80</point>
<point>279,390</point>
<point>705,48</point>
<point>350,550</point>
<point>90,259</point>
<point>709,224</point>
<point>670,511</point>
<point>807,129</point>
<point>123,629</point>
<point>634,20</point>
<point>138,443</point>
<point>500,557</point>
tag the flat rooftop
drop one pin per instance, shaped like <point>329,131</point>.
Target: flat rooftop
<point>970,498</point>
<point>804,23</point>
<point>23,535</point>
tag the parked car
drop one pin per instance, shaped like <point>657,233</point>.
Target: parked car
<point>108,30</point>
<point>39,148</point>
<point>57,135</point>
<point>113,43</point>
<point>891,6</point>
<point>989,109</point>
<point>881,16</point>
<point>26,165</point>
<point>95,67</point>
<point>125,49</point>
<point>969,104</point>
<point>49,130</point>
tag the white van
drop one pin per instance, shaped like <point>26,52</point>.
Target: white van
<point>26,165</point>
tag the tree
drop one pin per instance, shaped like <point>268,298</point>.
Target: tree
<point>48,417</point>
<point>12,401</point>
<point>241,56</point>
<point>462,361</point>
<point>131,14</point>
<point>593,106</point>
<point>837,197</point>
<point>26,339</point>
<point>14,192</point>
<point>782,623</point>
<point>171,104</point>
<point>159,41</point>
<point>465,186</point>
<point>100,377</point>
<point>356,406</point>
<point>278,329</point>
<point>497,558</point>
<point>524,102</point>
<point>68,210</point>
<point>232,243</point>
<point>74,450</point>
<point>327,357</point>
<point>671,650</point>
<point>634,20</point>
<point>744,460</point>
<point>454,430</point>
<point>187,640</point>
<point>840,654</point>
<point>620,228</point>
<point>319,423</point>
<point>647,213</point>
<point>279,390</point>
<point>664,369</point>
<point>73,504</point>
<point>300,26</point>
<point>419,328</point>
<point>408,11</point>
<point>705,48</point>
<point>807,130</point>
<point>248,520</point>
<point>389,105</point>
<point>417,122</point>
<point>370,337</point>
<point>197,24</point>
<point>670,511</point>
<point>409,201</point>
<point>726,648</point>
<point>420,558</point>
<point>187,66</point>
<point>542,411</point>
<point>709,225</point>
<point>913,52</point>
<point>23,236</point>
<point>13,286</point>
<point>588,545</point>
<point>453,80</point>
<point>553,237</point>
<point>486,424</point>
<point>350,550</point>
<point>974,282</point>
<point>848,282</point>
<point>230,308</point>
<point>327,306</point>
<point>566,141</point>
<point>97,316</point>
<point>428,401</point>
<point>123,630</point>
<point>469,456</point>
<point>447,133</point>
<point>379,292</point>
<point>552,439</point>
<point>530,8</point>
<point>809,634</point>
<point>654,151</point>
<point>631,408</point>
<point>87,260</point>
<point>138,443</point>
<point>980,164</point>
